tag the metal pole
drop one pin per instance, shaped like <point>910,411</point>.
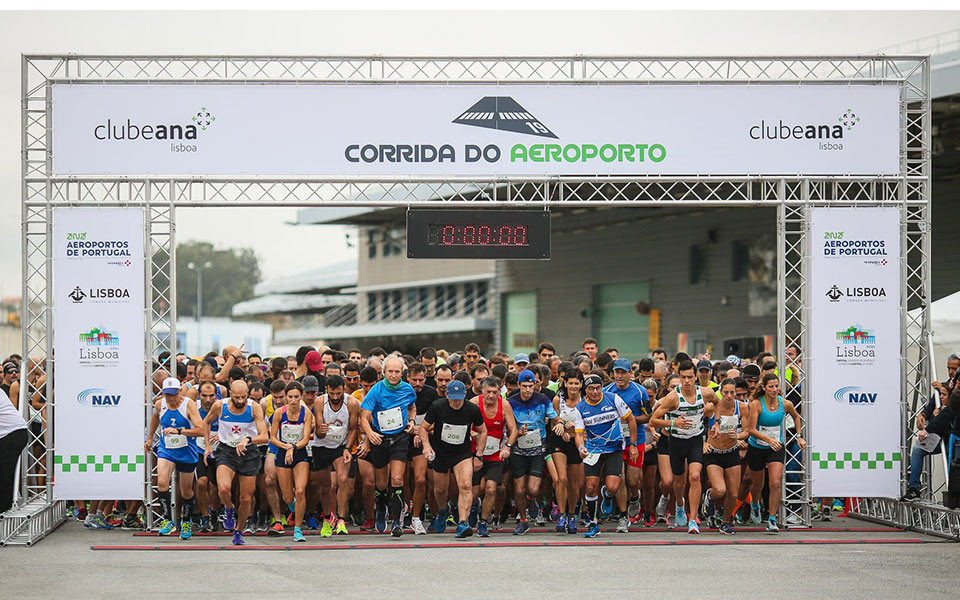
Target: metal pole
<point>199,306</point>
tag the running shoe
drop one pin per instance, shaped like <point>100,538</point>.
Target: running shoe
<point>755,514</point>
<point>555,513</point>
<point>772,525</point>
<point>533,509</point>
<point>405,510</point>
<point>606,504</point>
<point>115,519</point>
<point>474,515</point>
<point>186,529</point>
<point>131,523</point>
<point>250,528</point>
<point>693,527</point>
<point>838,504</point>
<point>482,529</point>
<point>561,524</point>
<point>82,514</point>
<point>571,525</point>
<point>440,522</point>
<point>397,529</point>
<point>825,514</point>
<point>794,520</point>
<point>633,508</point>
<point>100,522</point>
<point>495,522</point>
<point>167,527</point>
<point>312,522</point>
<point>237,538</point>
<point>275,529</point>
<point>911,495</point>
<point>417,525</point>
<point>623,525</point>
<point>464,530</point>
<point>681,516</point>
<point>88,521</point>
<point>327,529</point>
<point>262,523</point>
<point>522,528</point>
<point>541,519</point>
<point>368,525</point>
<point>708,507</point>
<point>661,510</point>
<point>450,512</point>
<point>205,525</point>
<point>671,522</point>
<point>649,520</point>
<point>381,522</point>
<point>291,519</point>
<point>298,535</point>
<point>341,528</point>
<point>593,531</point>
<point>229,520</point>
<point>727,529</point>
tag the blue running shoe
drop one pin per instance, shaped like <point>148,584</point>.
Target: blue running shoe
<point>606,504</point>
<point>238,538</point>
<point>186,529</point>
<point>522,528</point>
<point>397,529</point>
<point>727,529</point>
<point>298,535</point>
<point>533,509</point>
<point>474,515</point>
<point>681,516</point>
<point>482,529</point>
<point>593,531</point>
<point>166,527</point>
<point>100,522</point>
<point>440,522</point>
<point>755,514</point>
<point>312,522</point>
<point>464,530</point>
<point>709,508</point>
<point>381,521</point>
<point>229,520</point>
<point>572,524</point>
<point>693,527</point>
<point>561,524</point>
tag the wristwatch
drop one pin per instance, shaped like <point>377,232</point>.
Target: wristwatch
<point>509,445</point>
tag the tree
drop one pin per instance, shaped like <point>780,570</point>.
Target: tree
<point>229,279</point>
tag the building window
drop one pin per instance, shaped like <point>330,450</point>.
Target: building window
<point>468,299</point>
<point>439,301</point>
<point>423,303</point>
<point>698,264</point>
<point>387,244</point>
<point>451,308</point>
<point>371,306</point>
<point>411,303</point>
<point>396,306</point>
<point>740,260</point>
<point>371,244</point>
<point>482,288</point>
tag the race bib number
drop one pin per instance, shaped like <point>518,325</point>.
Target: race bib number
<point>788,422</point>
<point>214,442</point>
<point>695,422</point>
<point>491,447</point>
<point>390,419</point>
<point>291,433</point>
<point>172,442</point>
<point>233,439</point>
<point>309,451</point>
<point>453,434</point>
<point>529,440</point>
<point>624,430</point>
<point>567,416</point>
<point>337,433</point>
<point>772,432</point>
<point>591,458</point>
<point>728,423</point>
<point>647,435</point>
<point>419,419</point>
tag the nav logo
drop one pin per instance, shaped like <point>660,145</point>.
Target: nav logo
<point>97,397</point>
<point>504,113</point>
<point>854,396</point>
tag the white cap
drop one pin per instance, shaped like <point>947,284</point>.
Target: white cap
<point>171,385</point>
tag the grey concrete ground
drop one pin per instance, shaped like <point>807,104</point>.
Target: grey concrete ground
<point>64,565</point>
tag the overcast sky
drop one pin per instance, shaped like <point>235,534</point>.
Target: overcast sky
<point>409,33</point>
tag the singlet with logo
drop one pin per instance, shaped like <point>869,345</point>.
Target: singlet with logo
<point>176,447</point>
<point>495,431</point>
<point>214,426</point>
<point>636,398</point>
<point>693,412</point>
<point>534,413</point>
<point>339,422</point>
<point>601,422</point>
<point>769,423</point>
<point>291,431</point>
<point>232,428</point>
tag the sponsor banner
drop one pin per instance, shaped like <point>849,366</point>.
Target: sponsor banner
<point>98,275</point>
<point>311,130</point>
<point>854,370</point>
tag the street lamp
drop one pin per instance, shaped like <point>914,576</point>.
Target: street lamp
<point>199,269</point>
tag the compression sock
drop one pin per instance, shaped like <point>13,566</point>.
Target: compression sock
<point>592,507</point>
<point>186,511</point>
<point>380,497</point>
<point>165,503</point>
<point>396,503</point>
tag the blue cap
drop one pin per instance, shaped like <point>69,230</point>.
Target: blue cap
<point>526,375</point>
<point>704,365</point>
<point>521,358</point>
<point>456,390</point>
<point>622,363</point>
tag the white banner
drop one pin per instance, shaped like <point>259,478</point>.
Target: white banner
<point>854,370</point>
<point>98,307</point>
<point>313,130</point>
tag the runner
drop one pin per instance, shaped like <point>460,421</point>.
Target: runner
<point>311,386</point>
<point>445,435</point>
<point>336,432</point>
<point>388,413</point>
<point>600,443</point>
<point>648,481</point>
<point>501,435</point>
<point>267,474</point>
<point>177,449</point>
<point>566,459</point>
<point>723,455</point>
<point>534,414</point>
<point>290,436</point>
<point>240,429</point>
<point>667,505</point>
<point>207,477</point>
<point>637,400</point>
<point>766,441</point>
<point>685,408</point>
<point>426,395</point>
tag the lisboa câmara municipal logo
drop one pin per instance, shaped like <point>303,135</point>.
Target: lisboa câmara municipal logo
<point>505,114</point>
<point>849,119</point>
<point>203,118</point>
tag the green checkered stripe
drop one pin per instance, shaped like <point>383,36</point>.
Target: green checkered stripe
<point>105,463</point>
<point>856,460</point>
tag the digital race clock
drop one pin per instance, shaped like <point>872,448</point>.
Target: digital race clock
<point>478,234</point>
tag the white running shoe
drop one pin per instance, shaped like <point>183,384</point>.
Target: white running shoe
<point>633,508</point>
<point>417,526</point>
<point>662,509</point>
<point>623,525</point>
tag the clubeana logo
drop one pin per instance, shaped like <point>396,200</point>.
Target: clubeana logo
<point>176,133</point>
<point>849,119</point>
<point>203,118</point>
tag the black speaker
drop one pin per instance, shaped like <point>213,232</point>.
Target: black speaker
<point>744,347</point>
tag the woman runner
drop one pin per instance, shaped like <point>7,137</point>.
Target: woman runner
<point>291,435</point>
<point>566,468</point>
<point>722,455</point>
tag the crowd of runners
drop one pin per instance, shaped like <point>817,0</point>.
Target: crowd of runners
<point>338,441</point>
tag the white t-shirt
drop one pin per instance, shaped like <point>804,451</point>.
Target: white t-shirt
<point>10,419</point>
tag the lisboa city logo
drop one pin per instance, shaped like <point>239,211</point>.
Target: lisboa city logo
<point>856,346</point>
<point>97,397</point>
<point>99,348</point>
<point>100,295</point>
<point>181,136</point>
<point>857,294</point>
<point>829,136</point>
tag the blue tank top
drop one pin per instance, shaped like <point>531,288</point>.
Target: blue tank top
<point>176,447</point>
<point>769,423</point>
<point>285,420</point>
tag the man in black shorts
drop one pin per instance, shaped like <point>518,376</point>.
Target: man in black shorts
<point>426,395</point>
<point>445,434</point>
<point>501,435</point>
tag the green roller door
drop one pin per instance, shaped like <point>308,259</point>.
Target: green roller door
<point>618,322</point>
<point>520,322</point>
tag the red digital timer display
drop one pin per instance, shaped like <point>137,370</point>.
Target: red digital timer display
<point>462,234</point>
